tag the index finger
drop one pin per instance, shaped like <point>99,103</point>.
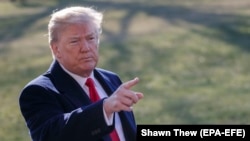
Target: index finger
<point>131,83</point>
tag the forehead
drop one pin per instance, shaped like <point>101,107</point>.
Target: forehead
<point>83,29</point>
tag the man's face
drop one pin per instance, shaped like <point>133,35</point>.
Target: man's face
<point>77,48</point>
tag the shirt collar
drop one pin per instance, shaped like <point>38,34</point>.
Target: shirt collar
<point>80,80</point>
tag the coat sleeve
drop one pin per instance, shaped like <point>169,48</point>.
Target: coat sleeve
<point>47,120</point>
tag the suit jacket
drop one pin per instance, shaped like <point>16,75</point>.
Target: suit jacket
<point>56,108</point>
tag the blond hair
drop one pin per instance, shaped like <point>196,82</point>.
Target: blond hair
<point>73,15</point>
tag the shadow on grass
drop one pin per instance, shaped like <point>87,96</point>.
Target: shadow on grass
<point>228,25</point>
<point>13,27</point>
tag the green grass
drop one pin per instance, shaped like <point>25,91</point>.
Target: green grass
<point>192,57</point>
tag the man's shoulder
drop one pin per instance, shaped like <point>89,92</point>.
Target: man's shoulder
<point>106,72</point>
<point>41,83</point>
<point>107,75</point>
<point>39,80</point>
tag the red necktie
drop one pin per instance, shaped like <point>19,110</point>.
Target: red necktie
<point>95,97</point>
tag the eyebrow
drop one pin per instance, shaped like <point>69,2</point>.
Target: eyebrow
<point>91,34</point>
<point>87,35</point>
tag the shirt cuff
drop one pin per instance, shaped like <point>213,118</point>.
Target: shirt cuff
<point>109,121</point>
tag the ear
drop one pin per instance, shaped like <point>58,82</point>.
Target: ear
<point>55,50</point>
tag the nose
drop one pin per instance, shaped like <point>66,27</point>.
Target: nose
<point>85,46</point>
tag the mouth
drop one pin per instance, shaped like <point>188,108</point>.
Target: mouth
<point>86,59</point>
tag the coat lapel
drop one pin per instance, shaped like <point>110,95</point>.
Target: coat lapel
<point>67,86</point>
<point>127,118</point>
<point>104,81</point>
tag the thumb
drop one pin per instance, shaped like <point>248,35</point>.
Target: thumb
<point>139,95</point>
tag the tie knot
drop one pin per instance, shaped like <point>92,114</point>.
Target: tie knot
<point>90,82</point>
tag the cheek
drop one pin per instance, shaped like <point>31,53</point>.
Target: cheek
<point>96,51</point>
<point>66,53</point>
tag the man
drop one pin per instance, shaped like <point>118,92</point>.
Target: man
<point>57,105</point>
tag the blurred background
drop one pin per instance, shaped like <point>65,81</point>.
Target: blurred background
<point>192,57</point>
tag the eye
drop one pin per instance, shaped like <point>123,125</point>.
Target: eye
<point>73,41</point>
<point>90,38</point>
